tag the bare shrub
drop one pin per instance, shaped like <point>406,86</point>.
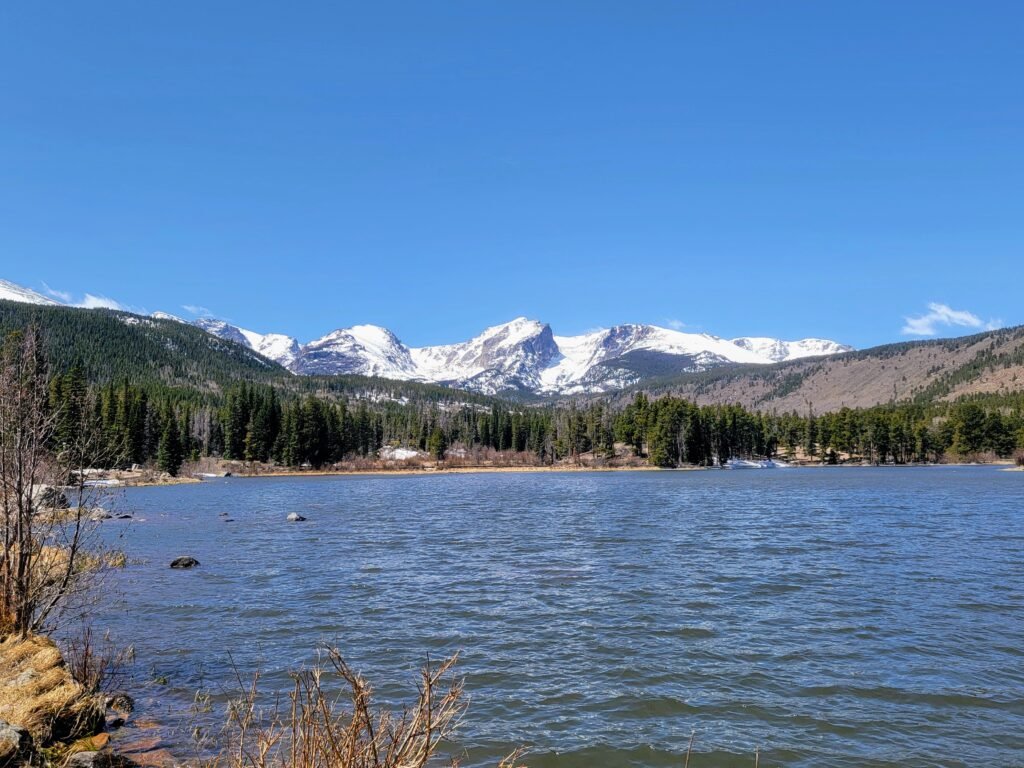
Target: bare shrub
<point>49,560</point>
<point>97,663</point>
<point>319,729</point>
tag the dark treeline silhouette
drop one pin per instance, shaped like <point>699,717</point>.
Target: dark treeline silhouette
<point>262,423</point>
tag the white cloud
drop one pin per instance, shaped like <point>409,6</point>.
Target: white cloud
<point>99,302</point>
<point>197,310</point>
<point>675,324</point>
<point>59,295</point>
<point>942,315</point>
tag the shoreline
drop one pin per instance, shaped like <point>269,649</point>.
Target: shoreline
<point>427,471</point>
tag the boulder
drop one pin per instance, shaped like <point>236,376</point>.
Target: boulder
<point>99,515</point>
<point>121,702</point>
<point>103,759</point>
<point>184,562</point>
<point>15,744</point>
<point>295,517</point>
<point>49,496</point>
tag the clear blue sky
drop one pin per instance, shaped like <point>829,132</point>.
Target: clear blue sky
<point>760,168</point>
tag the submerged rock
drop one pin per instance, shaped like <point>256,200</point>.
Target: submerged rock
<point>184,562</point>
<point>121,701</point>
<point>295,517</point>
<point>104,759</point>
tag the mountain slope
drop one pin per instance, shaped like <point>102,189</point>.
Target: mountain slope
<point>943,369</point>
<point>365,350</point>
<point>11,292</point>
<point>113,345</point>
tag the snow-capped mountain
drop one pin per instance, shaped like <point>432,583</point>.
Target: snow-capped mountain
<point>778,351</point>
<point>278,347</point>
<point>522,355</point>
<point>508,356</point>
<point>12,292</point>
<point>367,350</point>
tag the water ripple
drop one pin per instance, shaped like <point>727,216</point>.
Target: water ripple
<point>847,617</point>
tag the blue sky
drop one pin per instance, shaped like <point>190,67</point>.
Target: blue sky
<point>786,168</point>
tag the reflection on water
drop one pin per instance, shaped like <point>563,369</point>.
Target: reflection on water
<point>829,616</point>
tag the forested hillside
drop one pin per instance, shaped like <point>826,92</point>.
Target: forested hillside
<point>110,346</point>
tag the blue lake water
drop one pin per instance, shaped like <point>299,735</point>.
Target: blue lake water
<point>841,617</point>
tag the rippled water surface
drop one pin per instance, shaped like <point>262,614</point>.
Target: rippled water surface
<point>828,616</point>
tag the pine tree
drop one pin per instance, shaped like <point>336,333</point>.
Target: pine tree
<point>437,444</point>
<point>169,453</point>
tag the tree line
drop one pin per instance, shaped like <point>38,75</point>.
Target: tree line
<point>256,422</point>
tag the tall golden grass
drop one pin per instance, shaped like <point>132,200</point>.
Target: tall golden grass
<point>315,728</point>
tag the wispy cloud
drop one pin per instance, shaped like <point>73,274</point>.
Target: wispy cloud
<point>198,311</point>
<point>944,316</point>
<point>674,323</point>
<point>90,300</point>
<point>59,295</point>
<point>100,302</point>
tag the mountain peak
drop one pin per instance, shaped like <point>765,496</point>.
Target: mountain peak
<point>13,292</point>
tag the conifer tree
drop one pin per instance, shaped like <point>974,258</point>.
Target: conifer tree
<point>169,453</point>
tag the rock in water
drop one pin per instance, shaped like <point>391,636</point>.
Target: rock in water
<point>295,517</point>
<point>121,702</point>
<point>104,759</point>
<point>184,562</point>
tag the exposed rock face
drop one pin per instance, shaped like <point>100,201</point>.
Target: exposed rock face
<point>184,562</point>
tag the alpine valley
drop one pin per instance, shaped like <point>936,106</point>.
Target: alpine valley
<point>522,356</point>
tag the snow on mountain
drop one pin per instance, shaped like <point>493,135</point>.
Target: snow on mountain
<point>223,330</point>
<point>521,355</point>
<point>275,346</point>
<point>367,350</point>
<point>581,355</point>
<point>507,356</point>
<point>11,292</point>
<point>167,316</point>
<point>776,351</point>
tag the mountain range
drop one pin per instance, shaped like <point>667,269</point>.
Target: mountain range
<point>114,346</point>
<point>522,356</point>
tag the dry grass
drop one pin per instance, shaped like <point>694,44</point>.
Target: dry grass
<point>320,729</point>
<point>38,692</point>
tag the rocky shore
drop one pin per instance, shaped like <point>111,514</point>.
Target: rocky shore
<point>47,718</point>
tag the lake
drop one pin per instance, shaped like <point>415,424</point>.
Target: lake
<point>832,616</point>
